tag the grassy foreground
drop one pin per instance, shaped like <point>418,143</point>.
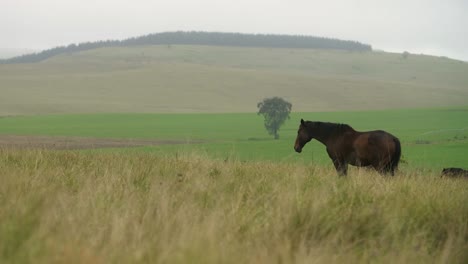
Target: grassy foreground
<point>72,207</point>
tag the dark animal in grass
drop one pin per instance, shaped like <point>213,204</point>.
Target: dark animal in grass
<point>378,149</point>
<point>455,172</point>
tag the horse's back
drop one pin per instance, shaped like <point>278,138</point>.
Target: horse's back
<point>377,148</point>
<point>381,138</point>
<point>374,139</point>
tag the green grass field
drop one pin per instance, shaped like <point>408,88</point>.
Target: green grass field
<point>432,138</point>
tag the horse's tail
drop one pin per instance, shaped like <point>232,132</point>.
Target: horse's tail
<point>396,155</point>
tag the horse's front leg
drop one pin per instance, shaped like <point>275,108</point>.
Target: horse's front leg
<point>341,167</point>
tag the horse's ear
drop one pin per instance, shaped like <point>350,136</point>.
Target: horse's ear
<point>302,121</point>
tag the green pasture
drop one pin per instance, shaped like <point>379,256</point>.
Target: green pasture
<point>432,138</point>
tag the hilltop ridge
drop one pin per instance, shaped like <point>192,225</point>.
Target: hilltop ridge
<point>201,38</point>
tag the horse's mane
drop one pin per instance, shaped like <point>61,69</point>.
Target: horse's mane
<point>331,128</point>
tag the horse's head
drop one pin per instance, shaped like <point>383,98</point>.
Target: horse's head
<point>303,136</point>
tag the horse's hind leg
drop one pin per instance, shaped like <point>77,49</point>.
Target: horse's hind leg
<point>390,168</point>
<point>385,170</point>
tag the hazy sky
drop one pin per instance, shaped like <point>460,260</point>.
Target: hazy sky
<point>437,27</point>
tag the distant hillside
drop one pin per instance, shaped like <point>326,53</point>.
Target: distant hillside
<point>189,78</point>
<point>202,38</point>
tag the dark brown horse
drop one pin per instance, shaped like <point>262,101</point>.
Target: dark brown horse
<point>378,149</point>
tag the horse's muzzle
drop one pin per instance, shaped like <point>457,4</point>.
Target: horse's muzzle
<point>298,149</point>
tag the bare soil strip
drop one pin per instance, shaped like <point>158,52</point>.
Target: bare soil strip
<point>59,142</point>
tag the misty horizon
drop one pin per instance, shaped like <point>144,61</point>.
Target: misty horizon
<point>10,52</point>
<point>419,27</point>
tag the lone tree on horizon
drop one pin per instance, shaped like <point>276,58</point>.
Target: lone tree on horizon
<point>275,110</point>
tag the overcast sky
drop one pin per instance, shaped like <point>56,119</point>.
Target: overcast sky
<point>436,27</point>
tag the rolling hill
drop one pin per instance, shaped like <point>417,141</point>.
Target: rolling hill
<point>200,38</point>
<point>201,78</point>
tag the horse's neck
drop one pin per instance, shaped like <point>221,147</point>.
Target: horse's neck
<point>331,134</point>
<point>324,139</point>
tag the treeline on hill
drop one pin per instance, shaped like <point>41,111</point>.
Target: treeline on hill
<point>202,38</point>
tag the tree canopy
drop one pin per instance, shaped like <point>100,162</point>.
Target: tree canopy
<point>275,111</point>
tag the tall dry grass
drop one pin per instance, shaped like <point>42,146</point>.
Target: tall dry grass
<point>71,207</point>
